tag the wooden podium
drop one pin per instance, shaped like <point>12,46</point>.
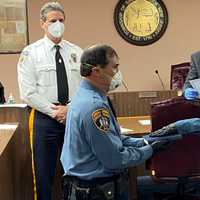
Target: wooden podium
<point>21,169</point>
<point>16,154</point>
<point>7,133</point>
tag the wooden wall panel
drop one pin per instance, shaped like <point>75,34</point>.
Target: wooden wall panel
<point>137,103</point>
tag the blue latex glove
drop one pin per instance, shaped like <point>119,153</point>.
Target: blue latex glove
<point>191,94</point>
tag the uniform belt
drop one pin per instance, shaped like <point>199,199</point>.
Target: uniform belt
<point>93,182</point>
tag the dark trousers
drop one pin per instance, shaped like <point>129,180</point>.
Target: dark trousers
<point>48,136</point>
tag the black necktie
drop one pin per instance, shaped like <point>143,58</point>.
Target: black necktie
<point>62,83</point>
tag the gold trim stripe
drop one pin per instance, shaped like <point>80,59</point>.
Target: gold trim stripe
<point>31,123</point>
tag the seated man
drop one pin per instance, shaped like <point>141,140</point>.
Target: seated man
<point>2,98</point>
<point>95,156</point>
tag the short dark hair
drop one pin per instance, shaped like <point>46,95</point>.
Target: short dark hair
<point>96,55</point>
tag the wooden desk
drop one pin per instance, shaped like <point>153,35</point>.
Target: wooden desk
<point>7,161</point>
<point>139,130</point>
<point>21,167</point>
<point>134,124</point>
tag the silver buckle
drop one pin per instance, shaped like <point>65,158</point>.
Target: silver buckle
<point>87,190</point>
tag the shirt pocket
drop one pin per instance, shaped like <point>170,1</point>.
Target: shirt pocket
<point>74,70</point>
<point>74,76</point>
<point>46,75</point>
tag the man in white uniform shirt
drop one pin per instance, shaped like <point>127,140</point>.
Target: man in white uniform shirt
<point>48,75</point>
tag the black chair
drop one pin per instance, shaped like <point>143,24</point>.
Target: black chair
<point>180,163</point>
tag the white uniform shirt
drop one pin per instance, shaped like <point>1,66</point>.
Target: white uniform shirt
<point>37,73</point>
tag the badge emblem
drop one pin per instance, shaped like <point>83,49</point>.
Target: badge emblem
<point>23,56</point>
<point>74,57</point>
<point>101,119</point>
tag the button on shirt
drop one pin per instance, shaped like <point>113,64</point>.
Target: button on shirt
<point>93,145</point>
<point>37,73</point>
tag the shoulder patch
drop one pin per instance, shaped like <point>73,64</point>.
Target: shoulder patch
<point>23,56</point>
<point>25,53</point>
<point>101,119</point>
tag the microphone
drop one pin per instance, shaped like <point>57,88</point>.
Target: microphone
<point>125,85</point>
<point>156,71</point>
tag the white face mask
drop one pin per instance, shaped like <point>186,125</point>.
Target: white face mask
<point>116,81</point>
<point>56,29</point>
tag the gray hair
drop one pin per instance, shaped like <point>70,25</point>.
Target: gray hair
<point>48,7</point>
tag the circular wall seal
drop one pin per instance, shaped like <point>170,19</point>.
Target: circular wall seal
<point>140,22</point>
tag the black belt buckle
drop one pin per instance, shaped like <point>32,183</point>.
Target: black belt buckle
<point>81,191</point>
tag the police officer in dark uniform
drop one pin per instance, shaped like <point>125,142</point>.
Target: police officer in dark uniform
<point>95,156</point>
